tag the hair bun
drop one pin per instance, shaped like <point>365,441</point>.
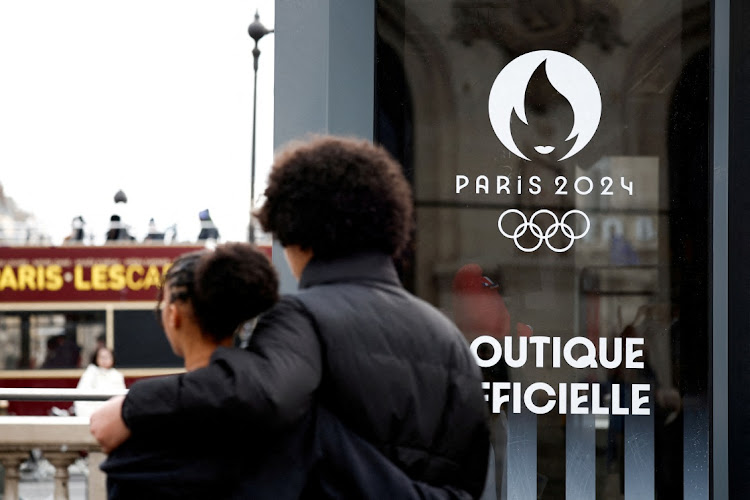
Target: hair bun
<point>233,284</point>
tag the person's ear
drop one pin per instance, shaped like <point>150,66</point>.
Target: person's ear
<point>174,316</point>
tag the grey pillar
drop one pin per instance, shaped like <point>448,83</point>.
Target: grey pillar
<point>324,81</point>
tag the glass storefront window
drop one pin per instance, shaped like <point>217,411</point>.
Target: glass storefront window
<point>559,157</point>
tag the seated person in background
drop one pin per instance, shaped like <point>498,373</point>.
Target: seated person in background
<point>117,230</point>
<point>62,352</point>
<point>205,298</point>
<point>76,231</point>
<point>153,233</point>
<point>352,348</point>
<point>209,231</point>
<point>100,376</point>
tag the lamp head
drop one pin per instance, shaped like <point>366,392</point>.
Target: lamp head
<point>256,30</point>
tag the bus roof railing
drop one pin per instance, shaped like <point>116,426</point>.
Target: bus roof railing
<point>36,394</point>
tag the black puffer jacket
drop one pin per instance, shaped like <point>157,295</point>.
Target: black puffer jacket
<point>391,367</point>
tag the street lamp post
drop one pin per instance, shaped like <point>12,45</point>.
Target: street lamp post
<point>256,30</point>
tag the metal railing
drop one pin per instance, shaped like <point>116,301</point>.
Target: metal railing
<point>35,394</point>
<point>60,439</point>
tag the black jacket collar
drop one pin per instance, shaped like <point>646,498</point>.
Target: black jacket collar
<point>358,267</point>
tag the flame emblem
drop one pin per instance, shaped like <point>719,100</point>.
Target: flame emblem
<point>567,75</point>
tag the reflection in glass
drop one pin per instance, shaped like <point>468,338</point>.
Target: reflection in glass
<point>640,267</point>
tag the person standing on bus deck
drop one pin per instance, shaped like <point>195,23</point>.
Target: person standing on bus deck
<point>352,343</point>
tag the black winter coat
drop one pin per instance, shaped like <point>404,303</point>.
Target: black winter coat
<point>353,342</point>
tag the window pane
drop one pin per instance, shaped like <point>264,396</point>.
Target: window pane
<point>559,157</point>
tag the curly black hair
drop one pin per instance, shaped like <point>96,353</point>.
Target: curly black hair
<point>338,196</point>
<point>226,287</point>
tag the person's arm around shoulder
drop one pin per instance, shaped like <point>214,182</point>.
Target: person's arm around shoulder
<point>267,386</point>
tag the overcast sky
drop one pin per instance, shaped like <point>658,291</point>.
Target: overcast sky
<point>153,97</point>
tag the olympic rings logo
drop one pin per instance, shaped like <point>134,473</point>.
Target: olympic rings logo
<point>544,236</point>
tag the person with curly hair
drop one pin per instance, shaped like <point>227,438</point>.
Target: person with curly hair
<point>386,382</point>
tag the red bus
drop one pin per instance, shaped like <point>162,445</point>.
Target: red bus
<point>58,304</point>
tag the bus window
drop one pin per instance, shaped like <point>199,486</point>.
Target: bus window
<point>151,350</point>
<point>65,340</point>
<point>10,341</point>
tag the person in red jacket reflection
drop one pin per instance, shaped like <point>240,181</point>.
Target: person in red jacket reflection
<point>478,306</point>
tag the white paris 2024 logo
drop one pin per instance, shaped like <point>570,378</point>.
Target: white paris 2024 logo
<point>574,82</point>
<point>568,76</point>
